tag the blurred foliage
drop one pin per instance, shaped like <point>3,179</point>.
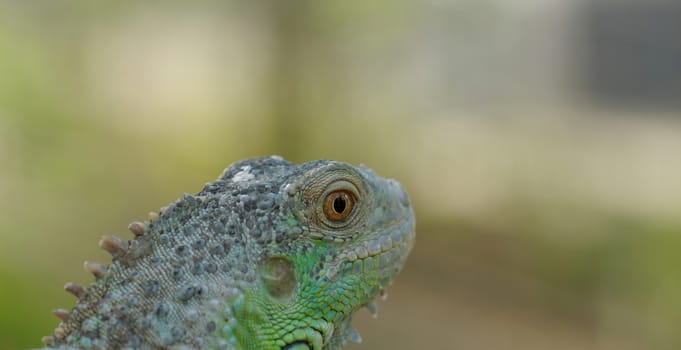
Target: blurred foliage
<point>543,221</point>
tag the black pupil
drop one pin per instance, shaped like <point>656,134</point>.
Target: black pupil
<point>339,204</point>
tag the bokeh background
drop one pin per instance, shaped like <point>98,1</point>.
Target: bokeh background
<point>540,141</point>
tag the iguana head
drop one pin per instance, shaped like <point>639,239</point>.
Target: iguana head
<point>272,255</point>
<point>352,232</point>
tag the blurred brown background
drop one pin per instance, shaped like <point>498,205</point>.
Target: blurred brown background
<point>540,142</point>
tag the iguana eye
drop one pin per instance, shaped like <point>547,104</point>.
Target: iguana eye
<point>338,205</point>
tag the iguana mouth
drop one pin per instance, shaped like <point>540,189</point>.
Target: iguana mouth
<point>384,254</point>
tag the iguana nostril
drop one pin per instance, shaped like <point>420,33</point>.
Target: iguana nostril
<point>278,277</point>
<point>403,196</point>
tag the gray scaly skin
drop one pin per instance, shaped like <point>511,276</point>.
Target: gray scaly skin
<point>271,255</point>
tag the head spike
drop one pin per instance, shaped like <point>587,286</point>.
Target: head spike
<point>74,289</point>
<point>114,245</point>
<point>48,340</point>
<point>373,308</point>
<point>60,332</point>
<point>137,228</point>
<point>384,294</point>
<point>353,336</point>
<point>61,314</point>
<point>95,268</point>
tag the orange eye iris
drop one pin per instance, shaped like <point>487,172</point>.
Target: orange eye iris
<point>338,205</point>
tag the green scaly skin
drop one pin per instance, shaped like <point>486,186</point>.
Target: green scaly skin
<point>253,261</point>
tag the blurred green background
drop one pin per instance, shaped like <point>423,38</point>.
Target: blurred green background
<point>540,142</point>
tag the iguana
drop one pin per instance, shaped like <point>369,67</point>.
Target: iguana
<point>271,255</point>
